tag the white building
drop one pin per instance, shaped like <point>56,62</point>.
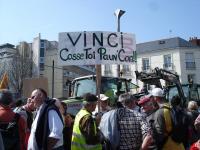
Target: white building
<point>173,54</point>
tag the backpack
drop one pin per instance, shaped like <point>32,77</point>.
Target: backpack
<point>180,125</point>
<point>10,134</point>
<point>177,126</point>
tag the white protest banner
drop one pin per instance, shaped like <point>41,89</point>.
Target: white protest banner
<point>90,48</point>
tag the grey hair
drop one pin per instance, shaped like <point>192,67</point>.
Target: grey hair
<point>192,105</point>
<point>126,98</point>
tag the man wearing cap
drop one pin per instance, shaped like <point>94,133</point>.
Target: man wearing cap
<point>162,124</point>
<point>148,105</point>
<point>148,109</point>
<point>104,107</point>
<point>86,135</point>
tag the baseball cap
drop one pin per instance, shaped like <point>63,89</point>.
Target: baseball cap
<point>157,92</point>
<point>144,99</point>
<point>103,97</point>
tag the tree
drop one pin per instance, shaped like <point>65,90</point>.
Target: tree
<point>19,68</point>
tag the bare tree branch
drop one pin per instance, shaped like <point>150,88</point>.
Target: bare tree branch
<point>19,68</point>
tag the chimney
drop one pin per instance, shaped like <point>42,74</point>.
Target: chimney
<point>195,41</point>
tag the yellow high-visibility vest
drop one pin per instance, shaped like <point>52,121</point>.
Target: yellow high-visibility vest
<point>78,140</point>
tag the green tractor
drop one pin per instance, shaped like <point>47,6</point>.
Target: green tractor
<point>110,86</point>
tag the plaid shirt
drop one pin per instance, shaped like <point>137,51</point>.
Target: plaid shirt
<point>133,128</point>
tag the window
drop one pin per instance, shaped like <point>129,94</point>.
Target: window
<point>126,68</point>
<point>145,64</point>
<point>41,52</point>
<point>108,70</point>
<point>65,73</point>
<point>161,42</point>
<point>42,44</point>
<point>41,67</point>
<point>41,59</point>
<point>189,61</point>
<point>84,86</point>
<point>167,61</point>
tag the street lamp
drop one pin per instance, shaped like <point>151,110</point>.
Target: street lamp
<point>118,13</point>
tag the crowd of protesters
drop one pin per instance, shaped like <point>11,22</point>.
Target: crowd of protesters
<point>145,123</point>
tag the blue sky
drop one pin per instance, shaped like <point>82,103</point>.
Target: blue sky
<point>22,20</point>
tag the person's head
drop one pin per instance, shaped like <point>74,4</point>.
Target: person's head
<point>158,95</point>
<point>90,102</point>
<point>127,100</point>
<point>29,105</point>
<point>147,103</point>
<point>38,96</point>
<point>6,97</point>
<point>103,101</point>
<point>175,101</point>
<point>19,103</point>
<point>192,106</point>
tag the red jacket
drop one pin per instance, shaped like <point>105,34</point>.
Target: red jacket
<point>7,115</point>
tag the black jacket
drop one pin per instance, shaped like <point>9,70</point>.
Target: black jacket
<point>42,130</point>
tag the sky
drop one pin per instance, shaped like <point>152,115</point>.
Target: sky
<point>149,20</point>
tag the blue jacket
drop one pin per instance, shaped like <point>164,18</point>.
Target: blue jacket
<point>109,127</point>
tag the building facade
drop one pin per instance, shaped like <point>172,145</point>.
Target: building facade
<point>174,54</point>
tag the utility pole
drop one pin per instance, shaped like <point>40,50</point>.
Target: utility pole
<point>53,79</point>
<point>118,13</point>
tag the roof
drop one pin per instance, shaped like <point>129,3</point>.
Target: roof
<point>7,45</point>
<point>162,44</point>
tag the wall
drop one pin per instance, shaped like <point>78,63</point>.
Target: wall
<point>51,54</point>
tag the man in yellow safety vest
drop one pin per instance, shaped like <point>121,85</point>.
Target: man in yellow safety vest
<point>85,134</point>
